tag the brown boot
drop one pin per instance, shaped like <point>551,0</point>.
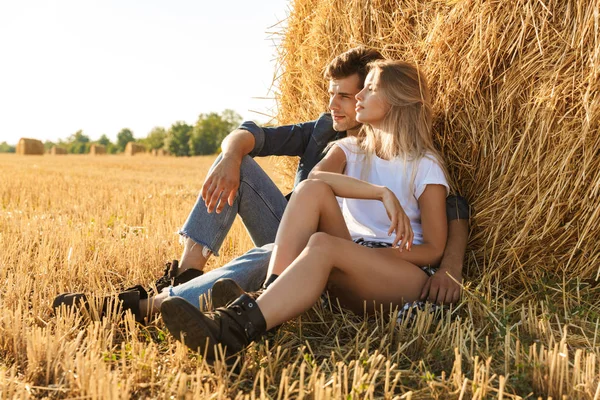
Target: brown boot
<point>233,327</point>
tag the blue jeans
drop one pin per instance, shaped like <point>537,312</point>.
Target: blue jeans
<point>260,204</point>
<point>248,270</point>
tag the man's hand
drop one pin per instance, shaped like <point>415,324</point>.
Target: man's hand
<point>221,184</point>
<point>441,288</point>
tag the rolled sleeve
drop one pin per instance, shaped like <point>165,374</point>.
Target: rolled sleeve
<point>286,140</point>
<point>259,136</point>
<point>457,207</point>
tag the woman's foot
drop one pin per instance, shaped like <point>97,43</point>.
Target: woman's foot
<point>233,327</point>
<point>225,291</point>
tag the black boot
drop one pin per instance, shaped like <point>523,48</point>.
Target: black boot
<point>171,277</point>
<point>225,291</point>
<point>127,300</point>
<point>233,327</point>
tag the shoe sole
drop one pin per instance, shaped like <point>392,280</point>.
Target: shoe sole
<point>224,291</point>
<point>186,323</point>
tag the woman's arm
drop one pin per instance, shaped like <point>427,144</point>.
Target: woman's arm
<point>345,186</point>
<point>435,228</point>
<point>334,161</point>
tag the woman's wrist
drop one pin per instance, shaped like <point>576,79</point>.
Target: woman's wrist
<point>382,192</point>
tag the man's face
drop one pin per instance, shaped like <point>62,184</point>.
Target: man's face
<point>342,102</point>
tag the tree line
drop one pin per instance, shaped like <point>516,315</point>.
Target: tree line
<point>181,139</point>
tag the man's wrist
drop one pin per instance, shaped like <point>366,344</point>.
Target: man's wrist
<point>454,266</point>
<point>233,156</point>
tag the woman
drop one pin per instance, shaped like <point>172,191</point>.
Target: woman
<point>321,246</point>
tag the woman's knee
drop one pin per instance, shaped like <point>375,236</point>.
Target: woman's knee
<point>312,187</point>
<point>321,242</point>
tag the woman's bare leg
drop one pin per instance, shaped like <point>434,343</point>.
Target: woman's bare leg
<point>352,272</point>
<point>312,208</point>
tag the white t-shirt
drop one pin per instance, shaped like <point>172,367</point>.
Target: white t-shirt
<point>368,218</point>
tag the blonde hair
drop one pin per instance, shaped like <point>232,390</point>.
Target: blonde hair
<point>408,120</point>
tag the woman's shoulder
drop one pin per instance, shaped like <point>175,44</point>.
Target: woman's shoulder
<point>348,143</point>
<point>429,160</point>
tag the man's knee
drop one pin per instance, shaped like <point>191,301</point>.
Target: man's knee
<point>248,166</point>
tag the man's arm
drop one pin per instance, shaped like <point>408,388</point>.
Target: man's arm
<point>224,179</point>
<point>444,287</point>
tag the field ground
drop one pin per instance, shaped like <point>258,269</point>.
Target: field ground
<point>98,224</point>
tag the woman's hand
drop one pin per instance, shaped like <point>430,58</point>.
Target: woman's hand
<point>400,223</point>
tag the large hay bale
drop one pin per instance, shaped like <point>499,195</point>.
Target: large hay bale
<point>30,147</point>
<point>97,149</point>
<point>516,89</point>
<point>55,151</point>
<point>159,152</point>
<point>133,148</point>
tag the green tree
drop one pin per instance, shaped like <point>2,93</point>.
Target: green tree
<point>210,130</point>
<point>48,145</point>
<point>178,138</point>
<point>123,137</point>
<point>78,143</point>
<point>7,148</point>
<point>156,138</point>
<point>104,140</point>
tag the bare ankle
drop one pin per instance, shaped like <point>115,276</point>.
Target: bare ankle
<point>194,256</point>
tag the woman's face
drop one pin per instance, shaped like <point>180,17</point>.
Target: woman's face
<point>371,106</point>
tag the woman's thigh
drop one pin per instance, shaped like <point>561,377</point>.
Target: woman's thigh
<point>378,277</point>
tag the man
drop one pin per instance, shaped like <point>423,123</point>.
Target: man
<point>236,185</point>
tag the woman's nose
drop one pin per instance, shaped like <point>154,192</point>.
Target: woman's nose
<point>359,95</point>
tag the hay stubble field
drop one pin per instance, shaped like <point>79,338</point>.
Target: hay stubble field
<point>98,224</point>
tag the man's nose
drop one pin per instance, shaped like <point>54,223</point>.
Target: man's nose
<point>333,103</point>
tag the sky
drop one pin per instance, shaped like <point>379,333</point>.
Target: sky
<point>101,66</point>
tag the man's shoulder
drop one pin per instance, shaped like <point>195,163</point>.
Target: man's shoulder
<point>324,121</point>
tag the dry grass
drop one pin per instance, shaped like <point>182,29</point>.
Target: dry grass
<point>97,149</point>
<point>30,147</point>
<point>133,148</point>
<point>516,88</point>
<point>56,151</point>
<point>98,224</point>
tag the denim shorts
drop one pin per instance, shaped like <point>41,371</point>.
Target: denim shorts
<point>429,270</point>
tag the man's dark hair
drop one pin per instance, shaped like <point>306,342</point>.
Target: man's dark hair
<point>353,61</point>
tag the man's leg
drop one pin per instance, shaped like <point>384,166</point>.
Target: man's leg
<point>259,203</point>
<point>248,270</point>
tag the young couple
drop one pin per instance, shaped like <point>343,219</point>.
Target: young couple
<point>366,225</point>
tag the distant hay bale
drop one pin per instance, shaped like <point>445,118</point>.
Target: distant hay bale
<point>159,152</point>
<point>97,149</point>
<point>133,148</point>
<point>55,151</point>
<point>516,114</point>
<point>30,147</point>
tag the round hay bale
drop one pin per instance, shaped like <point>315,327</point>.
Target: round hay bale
<point>55,151</point>
<point>30,147</point>
<point>97,149</point>
<point>517,114</point>
<point>133,148</point>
